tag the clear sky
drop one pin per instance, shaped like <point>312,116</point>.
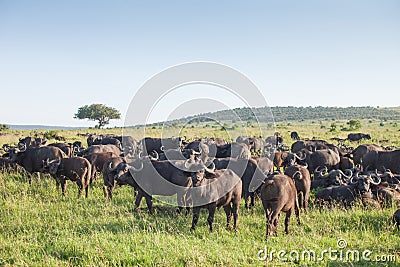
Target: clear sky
<point>56,56</point>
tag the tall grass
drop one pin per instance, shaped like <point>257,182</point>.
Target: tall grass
<point>38,227</point>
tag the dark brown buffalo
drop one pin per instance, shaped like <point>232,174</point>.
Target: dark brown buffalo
<point>150,144</point>
<point>111,173</point>
<point>382,159</point>
<point>279,194</point>
<point>75,169</point>
<point>32,158</point>
<point>247,170</point>
<point>302,181</point>
<point>209,183</point>
<point>347,194</point>
<point>30,142</point>
<point>294,136</point>
<point>157,178</point>
<point>68,149</point>
<point>346,164</point>
<point>354,137</point>
<point>321,158</point>
<point>233,150</point>
<point>279,159</point>
<point>97,161</point>
<point>361,150</point>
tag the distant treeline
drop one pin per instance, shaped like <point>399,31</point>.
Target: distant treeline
<point>295,114</point>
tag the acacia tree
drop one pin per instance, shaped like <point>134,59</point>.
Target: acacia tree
<point>98,112</point>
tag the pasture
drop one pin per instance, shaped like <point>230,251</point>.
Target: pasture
<point>40,228</point>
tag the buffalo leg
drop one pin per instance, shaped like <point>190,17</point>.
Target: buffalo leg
<point>252,197</point>
<point>228,212</point>
<point>86,190</point>
<point>38,175</point>
<point>80,188</point>
<point>138,199</point>
<point>235,210</point>
<point>287,220</point>
<point>211,212</point>
<point>149,203</point>
<point>196,214</point>
<point>63,187</point>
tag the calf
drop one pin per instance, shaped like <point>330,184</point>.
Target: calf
<point>279,194</point>
<point>75,169</point>
<point>396,219</point>
<point>205,190</point>
<point>302,181</point>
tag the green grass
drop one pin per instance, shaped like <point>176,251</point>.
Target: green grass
<point>40,228</point>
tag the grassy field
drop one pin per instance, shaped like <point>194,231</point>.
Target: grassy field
<point>40,228</point>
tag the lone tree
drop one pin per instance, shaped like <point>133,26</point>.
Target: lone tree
<point>98,112</point>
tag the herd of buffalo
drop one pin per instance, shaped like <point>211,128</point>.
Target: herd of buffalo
<point>211,172</point>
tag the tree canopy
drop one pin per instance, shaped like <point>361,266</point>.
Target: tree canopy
<point>98,112</point>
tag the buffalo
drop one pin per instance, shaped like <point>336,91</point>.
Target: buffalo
<point>302,181</point>
<point>211,191</point>
<point>32,158</point>
<point>279,194</point>
<point>74,169</point>
<point>354,137</point>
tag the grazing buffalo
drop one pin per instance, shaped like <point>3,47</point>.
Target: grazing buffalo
<point>210,188</point>
<point>97,160</point>
<point>382,159</point>
<point>294,136</point>
<point>302,181</point>
<point>279,194</point>
<point>74,169</point>
<point>32,158</point>
<point>354,137</point>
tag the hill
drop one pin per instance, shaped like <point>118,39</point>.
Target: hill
<point>296,114</point>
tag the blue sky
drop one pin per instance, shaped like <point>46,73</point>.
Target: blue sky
<point>57,56</point>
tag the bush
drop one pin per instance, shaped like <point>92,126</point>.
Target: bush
<point>4,127</point>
